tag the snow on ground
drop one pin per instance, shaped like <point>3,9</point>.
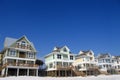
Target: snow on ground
<point>100,77</point>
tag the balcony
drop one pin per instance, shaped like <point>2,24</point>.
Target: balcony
<point>64,67</point>
<point>22,55</point>
<point>22,64</point>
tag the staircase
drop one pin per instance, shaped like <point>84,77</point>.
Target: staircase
<point>2,67</point>
<point>76,72</point>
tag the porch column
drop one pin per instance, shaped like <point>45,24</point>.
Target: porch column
<point>36,72</point>
<point>17,63</point>
<point>6,52</point>
<point>65,73</point>
<point>27,72</point>
<point>17,53</point>
<point>17,71</point>
<point>59,73</point>
<point>55,73</point>
<point>71,72</point>
<point>6,74</point>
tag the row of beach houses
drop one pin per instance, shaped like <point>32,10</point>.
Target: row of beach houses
<point>18,57</point>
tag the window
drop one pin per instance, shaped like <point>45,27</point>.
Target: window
<point>65,64</point>
<point>108,60</point>
<point>91,58</point>
<point>65,50</point>
<point>79,67</point>
<point>104,66</point>
<point>30,55</point>
<point>53,56</point>
<point>17,45</point>
<point>59,64</point>
<point>58,56</point>
<point>117,62</point>
<point>23,44</point>
<point>65,56</point>
<point>100,67</point>
<point>112,61</point>
<point>12,53</point>
<point>51,65</point>
<point>90,53</point>
<point>70,64</point>
<point>11,62</point>
<point>71,57</point>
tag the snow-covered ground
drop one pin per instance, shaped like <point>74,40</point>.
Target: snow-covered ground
<point>101,77</point>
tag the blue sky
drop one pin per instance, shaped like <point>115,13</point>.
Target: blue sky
<point>79,24</point>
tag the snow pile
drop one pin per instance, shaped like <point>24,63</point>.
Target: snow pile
<point>101,77</point>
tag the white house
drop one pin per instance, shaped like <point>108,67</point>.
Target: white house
<point>116,63</point>
<point>105,63</point>
<point>58,62</point>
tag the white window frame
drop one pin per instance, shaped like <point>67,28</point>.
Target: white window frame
<point>30,55</point>
<point>12,53</point>
<point>59,56</point>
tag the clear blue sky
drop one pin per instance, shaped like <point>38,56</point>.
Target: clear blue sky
<point>79,24</point>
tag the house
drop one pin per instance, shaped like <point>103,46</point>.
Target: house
<point>85,62</point>
<point>59,61</point>
<point>18,57</point>
<point>116,64</point>
<point>105,63</point>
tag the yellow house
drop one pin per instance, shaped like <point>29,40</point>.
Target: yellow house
<point>85,62</point>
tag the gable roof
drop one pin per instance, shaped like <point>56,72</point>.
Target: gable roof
<point>58,49</point>
<point>116,57</point>
<point>85,52</point>
<point>9,41</point>
<point>105,55</point>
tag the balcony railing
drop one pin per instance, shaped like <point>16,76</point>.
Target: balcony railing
<point>22,56</point>
<point>63,67</point>
<point>22,64</point>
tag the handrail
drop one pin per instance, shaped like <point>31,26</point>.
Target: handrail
<point>20,64</point>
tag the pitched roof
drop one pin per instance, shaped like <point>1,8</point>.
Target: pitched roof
<point>116,57</point>
<point>58,49</point>
<point>9,41</point>
<point>85,52</point>
<point>104,55</point>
